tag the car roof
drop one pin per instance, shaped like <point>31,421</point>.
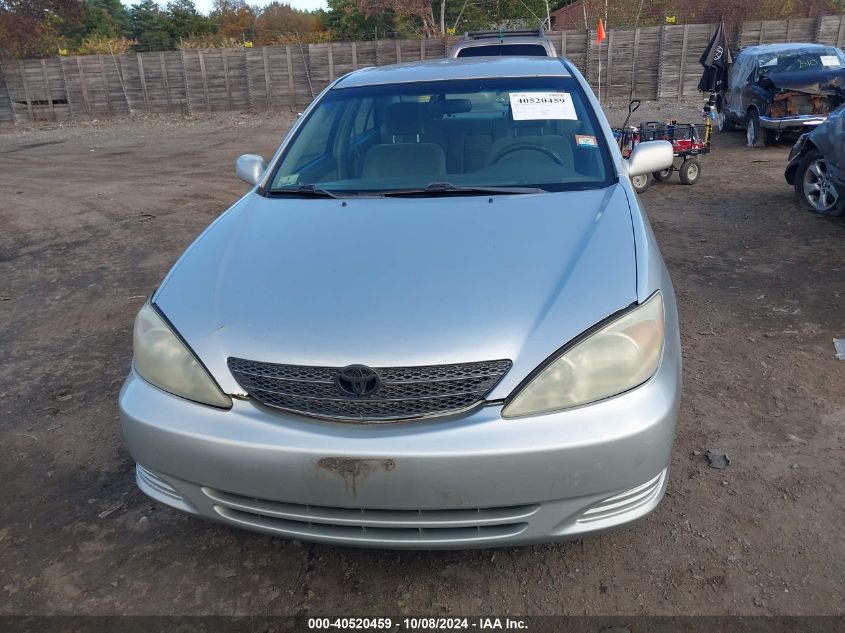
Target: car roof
<point>461,68</point>
<point>503,41</point>
<point>762,49</point>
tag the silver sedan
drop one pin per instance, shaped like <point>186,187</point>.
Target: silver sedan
<point>439,319</point>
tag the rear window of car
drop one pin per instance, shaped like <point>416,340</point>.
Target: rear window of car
<point>504,50</point>
<point>800,60</point>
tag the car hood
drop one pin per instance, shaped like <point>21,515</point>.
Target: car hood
<point>402,281</point>
<point>829,82</point>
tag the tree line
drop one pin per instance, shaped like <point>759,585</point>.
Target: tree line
<point>45,28</point>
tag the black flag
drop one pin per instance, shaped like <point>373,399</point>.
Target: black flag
<point>716,60</point>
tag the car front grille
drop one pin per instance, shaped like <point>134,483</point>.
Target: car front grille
<point>404,392</point>
<point>373,526</point>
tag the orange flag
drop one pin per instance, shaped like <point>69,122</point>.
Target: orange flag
<point>601,34</point>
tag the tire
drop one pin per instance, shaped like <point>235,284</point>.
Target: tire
<point>755,135</point>
<point>663,176</point>
<point>640,183</point>
<point>753,131</point>
<point>723,123</point>
<point>813,188</point>
<point>690,172</point>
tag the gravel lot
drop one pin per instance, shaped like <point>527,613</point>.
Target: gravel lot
<point>94,214</point>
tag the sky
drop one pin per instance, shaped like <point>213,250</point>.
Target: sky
<point>205,5</point>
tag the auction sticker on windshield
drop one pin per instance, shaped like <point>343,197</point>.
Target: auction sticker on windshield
<point>533,106</point>
<point>585,141</point>
<point>830,61</point>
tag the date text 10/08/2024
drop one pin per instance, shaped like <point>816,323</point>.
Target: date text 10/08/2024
<point>417,624</point>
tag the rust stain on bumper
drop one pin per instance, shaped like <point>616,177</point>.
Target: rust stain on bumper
<point>351,470</point>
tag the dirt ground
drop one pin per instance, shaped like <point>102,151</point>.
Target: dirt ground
<point>93,215</point>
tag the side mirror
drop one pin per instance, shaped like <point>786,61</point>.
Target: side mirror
<point>648,157</point>
<point>250,168</point>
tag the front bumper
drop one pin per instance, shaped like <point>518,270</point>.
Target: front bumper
<point>782,123</point>
<point>796,153</point>
<point>473,481</point>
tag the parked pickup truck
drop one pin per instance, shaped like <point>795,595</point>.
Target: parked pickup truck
<point>778,88</point>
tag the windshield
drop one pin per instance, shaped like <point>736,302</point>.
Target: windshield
<point>800,60</point>
<point>493,133</point>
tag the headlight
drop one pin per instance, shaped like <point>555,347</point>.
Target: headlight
<point>618,357</point>
<point>162,359</point>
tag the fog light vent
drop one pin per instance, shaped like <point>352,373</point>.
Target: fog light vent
<point>159,485</point>
<point>625,502</point>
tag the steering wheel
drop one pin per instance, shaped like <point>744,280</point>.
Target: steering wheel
<point>510,149</point>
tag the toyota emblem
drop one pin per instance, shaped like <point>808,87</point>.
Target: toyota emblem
<point>357,381</point>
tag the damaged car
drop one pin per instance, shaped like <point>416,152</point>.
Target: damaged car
<point>816,166</point>
<point>775,89</point>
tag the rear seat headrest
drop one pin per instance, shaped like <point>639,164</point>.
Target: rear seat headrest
<point>405,118</point>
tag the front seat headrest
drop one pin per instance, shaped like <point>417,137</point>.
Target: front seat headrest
<point>405,118</point>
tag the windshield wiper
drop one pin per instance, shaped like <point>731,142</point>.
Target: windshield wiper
<point>436,188</point>
<point>311,191</point>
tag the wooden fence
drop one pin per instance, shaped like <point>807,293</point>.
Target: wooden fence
<point>659,62</point>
